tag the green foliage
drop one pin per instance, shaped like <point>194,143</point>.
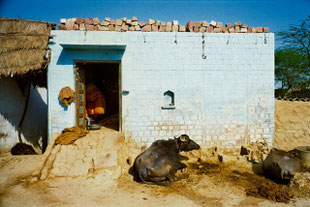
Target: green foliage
<point>291,69</point>
<point>292,60</point>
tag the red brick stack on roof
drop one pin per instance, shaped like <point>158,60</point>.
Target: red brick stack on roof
<point>124,25</point>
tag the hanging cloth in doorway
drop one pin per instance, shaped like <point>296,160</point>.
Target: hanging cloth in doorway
<point>95,102</point>
<point>66,96</point>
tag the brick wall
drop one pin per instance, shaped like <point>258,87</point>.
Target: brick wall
<point>292,124</point>
<point>223,88</point>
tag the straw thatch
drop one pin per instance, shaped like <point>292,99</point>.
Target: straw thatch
<point>23,46</point>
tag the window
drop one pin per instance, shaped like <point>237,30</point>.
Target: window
<point>168,100</point>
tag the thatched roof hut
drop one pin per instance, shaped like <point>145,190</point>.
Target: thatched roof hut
<point>23,46</point>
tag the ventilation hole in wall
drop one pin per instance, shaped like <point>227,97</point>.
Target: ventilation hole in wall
<point>265,39</point>
<point>168,98</point>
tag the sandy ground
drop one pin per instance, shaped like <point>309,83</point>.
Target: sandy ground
<point>204,183</point>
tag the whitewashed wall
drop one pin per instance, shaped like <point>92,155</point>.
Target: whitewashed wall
<point>226,98</point>
<point>12,104</point>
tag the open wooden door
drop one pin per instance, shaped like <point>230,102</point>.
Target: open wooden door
<point>80,95</point>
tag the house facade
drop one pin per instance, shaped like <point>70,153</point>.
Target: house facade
<point>216,87</point>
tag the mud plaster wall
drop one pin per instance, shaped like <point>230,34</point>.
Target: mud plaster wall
<point>292,124</point>
<point>223,99</point>
<point>12,104</point>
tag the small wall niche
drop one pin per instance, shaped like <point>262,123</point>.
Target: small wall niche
<point>168,100</point>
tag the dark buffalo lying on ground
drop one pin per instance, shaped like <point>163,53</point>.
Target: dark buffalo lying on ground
<point>281,165</point>
<point>160,162</point>
<point>22,149</point>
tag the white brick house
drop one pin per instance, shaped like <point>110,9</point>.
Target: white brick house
<point>218,87</point>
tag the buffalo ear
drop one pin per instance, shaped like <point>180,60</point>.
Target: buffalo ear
<point>175,137</point>
<point>183,138</point>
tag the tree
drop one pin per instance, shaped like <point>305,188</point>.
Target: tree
<point>298,38</point>
<point>290,69</point>
<point>292,60</point>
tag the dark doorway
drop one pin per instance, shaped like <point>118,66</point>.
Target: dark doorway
<point>101,93</point>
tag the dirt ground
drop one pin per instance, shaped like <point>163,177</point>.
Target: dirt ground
<point>211,179</point>
<point>206,182</point>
